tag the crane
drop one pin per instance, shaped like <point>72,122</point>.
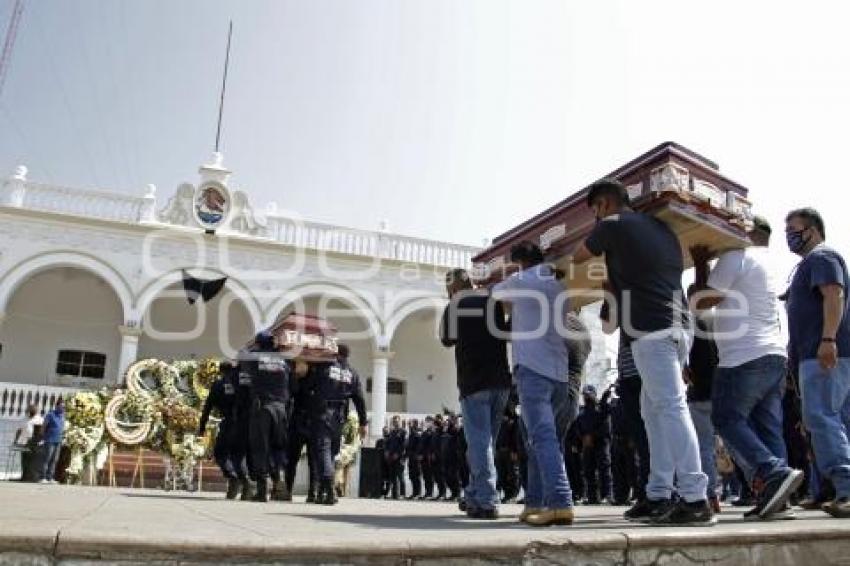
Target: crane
<point>9,43</point>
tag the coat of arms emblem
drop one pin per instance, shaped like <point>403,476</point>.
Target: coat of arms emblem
<point>212,204</point>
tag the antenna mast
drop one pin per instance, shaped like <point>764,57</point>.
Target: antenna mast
<point>223,88</point>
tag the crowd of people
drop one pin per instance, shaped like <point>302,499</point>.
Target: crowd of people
<point>699,373</point>
<point>275,409</point>
<point>709,397</point>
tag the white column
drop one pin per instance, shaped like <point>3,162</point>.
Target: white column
<point>380,370</point>
<point>129,350</point>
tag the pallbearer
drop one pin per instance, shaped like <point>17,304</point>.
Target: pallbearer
<point>222,399</point>
<point>336,383</point>
<point>269,428</point>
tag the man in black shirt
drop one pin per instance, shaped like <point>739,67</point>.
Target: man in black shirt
<point>413,451</point>
<point>472,324</point>
<point>644,261</point>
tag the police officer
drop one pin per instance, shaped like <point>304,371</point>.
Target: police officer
<point>394,449</point>
<point>414,459</point>
<point>436,456</point>
<point>336,383</point>
<point>269,427</point>
<point>240,452</point>
<point>222,399</point>
<point>381,449</point>
<point>300,429</point>
<point>595,429</point>
<point>449,458</point>
<point>426,442</point>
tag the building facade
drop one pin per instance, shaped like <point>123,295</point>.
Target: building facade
<point>91,281</point>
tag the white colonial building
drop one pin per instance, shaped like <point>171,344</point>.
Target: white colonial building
<point>91,281</point>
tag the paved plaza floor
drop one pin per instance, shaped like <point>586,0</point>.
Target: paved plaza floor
<point>67,524</point>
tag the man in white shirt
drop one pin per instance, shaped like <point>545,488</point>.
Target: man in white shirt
<point>750,379</point>
<point>23,437</point>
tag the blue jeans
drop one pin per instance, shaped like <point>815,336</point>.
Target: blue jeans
<point>826,414</point>
<point>701,415</point>
<point>482,418</point>
<point>540,399</point>
<point>673,444</point>
<point>748,415</point>
<point>51,457</point>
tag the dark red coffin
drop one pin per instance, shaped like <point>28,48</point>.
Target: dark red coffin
<point>681,187</point>
<point>306,337</point>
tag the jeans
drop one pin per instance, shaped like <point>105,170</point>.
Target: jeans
<point>482,418</point>
<point>629,390</point>
<point>540,399</point>
<point>673,444</point>
<point>51,457</point>
<point>748,416</point>
<point>701,415</point>
<point>826,414</point>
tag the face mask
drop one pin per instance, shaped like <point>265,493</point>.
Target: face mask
<point>795,240</point>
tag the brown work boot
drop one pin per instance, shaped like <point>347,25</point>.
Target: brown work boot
<point>551,517</point>
<point>526,511</point>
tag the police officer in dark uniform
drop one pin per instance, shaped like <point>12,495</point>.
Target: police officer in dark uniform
<point>449,458</point>
<point>425,444</point>
<point>381,449</point>
<point>595,428</point>
<point>240,452</point>
<point>394,449</point>
<point>300,430</point>
<point>413,450</point>
<point>336,383</point>
<point>269,424</point>
<point>222,399</point>
<point>436,456</point>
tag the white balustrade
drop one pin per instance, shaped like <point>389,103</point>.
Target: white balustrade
<point>327,237</point>
<point>311,235</point>
<point>96,204</point>
<point>16,397</point>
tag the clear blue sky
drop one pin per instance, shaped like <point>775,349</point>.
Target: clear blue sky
<point>453,120</point>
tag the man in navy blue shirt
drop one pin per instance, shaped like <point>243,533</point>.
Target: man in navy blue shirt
<point>54,430</point>
<point>819,328</point>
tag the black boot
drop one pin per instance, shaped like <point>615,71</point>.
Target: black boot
<point>311,493</point>
<point>326,494</point>
<point>247,490</point>
<point>232,488</point>
<point>262,491</point>
<point>279,492</point>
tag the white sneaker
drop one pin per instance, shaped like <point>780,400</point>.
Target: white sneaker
<point>43,481</point>
<point>53,482</point>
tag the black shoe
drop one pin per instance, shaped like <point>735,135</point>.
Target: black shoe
<point>639,511</point>
<point>648,510</point>
<point>232,488</point>
<point>247,490</point>
<point>462,506</point>
<point>262,495</point>
<point>483,514</point>
<point>684,514</point>
<point>840,508</point>
<point>777,492</point>
<point>280,493</point>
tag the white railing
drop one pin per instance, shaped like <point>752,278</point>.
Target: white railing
<point>82,202</point>
<point>16,397</point>
<point>311,235</point>
<point>338,239</point>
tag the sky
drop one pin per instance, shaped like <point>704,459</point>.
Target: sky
<point>452,120</point>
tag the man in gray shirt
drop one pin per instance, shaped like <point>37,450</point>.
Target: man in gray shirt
<point>540,359</point>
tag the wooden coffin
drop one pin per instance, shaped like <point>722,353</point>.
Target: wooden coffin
<point>671,182</point>
<point>306,337</point>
